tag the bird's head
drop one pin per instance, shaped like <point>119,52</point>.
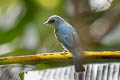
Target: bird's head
<point>54,21</point>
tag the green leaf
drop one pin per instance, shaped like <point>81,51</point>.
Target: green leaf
<point>18,52</point>
<point>21,75</point>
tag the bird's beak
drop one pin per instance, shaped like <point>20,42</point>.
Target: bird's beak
<point>45,22</point>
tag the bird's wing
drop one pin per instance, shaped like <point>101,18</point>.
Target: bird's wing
<point>66,41</point>
<point>70,41</point>
<point>75,39</point>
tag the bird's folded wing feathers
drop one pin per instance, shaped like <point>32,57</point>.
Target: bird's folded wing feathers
<point>75,39</point>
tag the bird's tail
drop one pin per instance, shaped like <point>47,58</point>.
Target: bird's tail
<point>78,58</point>
<point>78,62</point>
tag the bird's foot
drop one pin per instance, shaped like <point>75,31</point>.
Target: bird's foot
<point>64,51</point>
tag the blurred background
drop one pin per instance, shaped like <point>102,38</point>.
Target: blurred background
<point>22,31</point>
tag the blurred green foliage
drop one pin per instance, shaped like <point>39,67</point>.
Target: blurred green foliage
<point>27,34</point>
<point>21,75</point>
<point>36,12</point>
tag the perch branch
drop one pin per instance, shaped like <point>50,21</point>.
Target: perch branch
<point>93,57</point>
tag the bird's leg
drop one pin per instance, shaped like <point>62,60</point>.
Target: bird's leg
<point>64,51</point>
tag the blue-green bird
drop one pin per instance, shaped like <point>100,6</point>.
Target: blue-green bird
<point>69,39</point>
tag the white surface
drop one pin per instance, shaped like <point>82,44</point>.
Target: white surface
<point>100,5</point>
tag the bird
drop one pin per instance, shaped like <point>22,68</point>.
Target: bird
<point>69,39</point>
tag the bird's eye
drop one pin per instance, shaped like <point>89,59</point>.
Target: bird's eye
<point>51,21</point>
